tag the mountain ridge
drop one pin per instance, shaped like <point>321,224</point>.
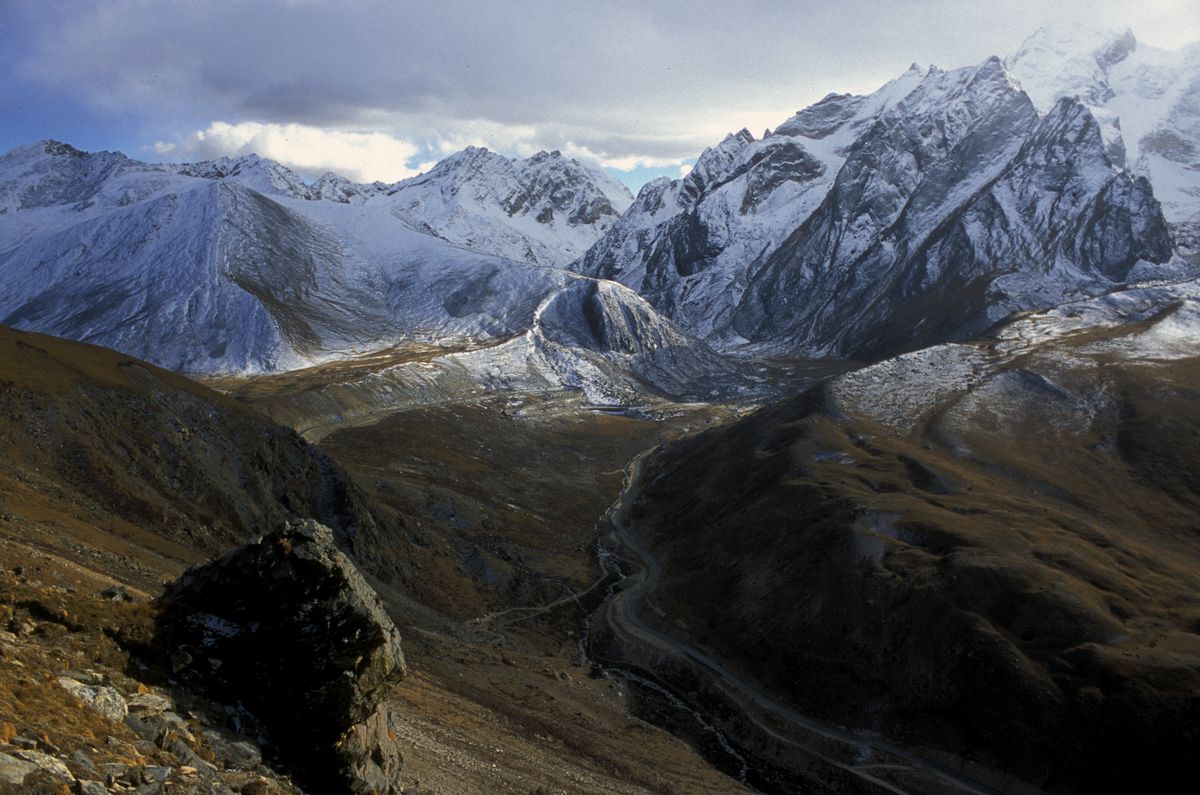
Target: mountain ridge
<point>784,244</point>
<point>236,266</point>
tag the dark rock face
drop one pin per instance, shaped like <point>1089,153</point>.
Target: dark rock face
<point>774,166</point>
<point>1040,229</point>
<point>819,120</point>
<point>287,628</point>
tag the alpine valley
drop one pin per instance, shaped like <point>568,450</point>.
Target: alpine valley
<point>865,457</point>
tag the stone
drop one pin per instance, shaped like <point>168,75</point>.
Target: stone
<point>231,751</point>
<point>191,761</point>
<point>84,677</point>
<point>143,729</point>
<point>13,770</point>
<point>105,701</point>
<point>148,702</point>
<point>115,593</point>
<point>84,787</point>
<point>42,782</point>
<point>304,646</point>
<point>116,772</point>
<point>369,755</point>
<point>46,762</point>
<point>82,766</point>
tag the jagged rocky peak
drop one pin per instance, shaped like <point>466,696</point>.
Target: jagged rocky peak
<point>51,173</point>
<point>1054,63</point>
<point>336,188</point>
<point>715,163</point>
<point>1147,101</point>
<point>260,173</point>
<point>604,339</point>
<point>59,149</point>
<point>546,209</point>
<point>819,120</point>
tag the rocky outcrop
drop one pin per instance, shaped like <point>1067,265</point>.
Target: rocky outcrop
<point>288,632</point>
<point>1145,100</point>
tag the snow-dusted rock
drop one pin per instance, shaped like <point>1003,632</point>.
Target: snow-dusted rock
<point>1046,368</point>
<point>104,701</point>
<point>1147,101</point>
<point>547,209</point>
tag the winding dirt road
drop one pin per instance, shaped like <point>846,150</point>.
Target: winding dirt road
<point>865,757</point>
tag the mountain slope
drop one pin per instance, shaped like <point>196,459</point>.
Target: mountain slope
<point>109,459</point>
<point>868,225</point>
<point>547,209</point>
<point>985,549</point>
<point>116,475</point>
<point>543,210</point>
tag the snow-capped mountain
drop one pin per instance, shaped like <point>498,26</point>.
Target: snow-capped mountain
<point>1147,101</point>
<point>862,226</point>
<point>867,225</point>
<point>547,209</point>
<point>194,268</point>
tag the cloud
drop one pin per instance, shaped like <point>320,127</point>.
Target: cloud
<point>362,157</point>
<point>621,163</point>
<point>625,82</point>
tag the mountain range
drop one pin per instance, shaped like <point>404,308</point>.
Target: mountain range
<point>860,227</point>
<point>899,400</point>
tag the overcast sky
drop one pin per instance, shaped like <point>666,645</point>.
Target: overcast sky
<point>378,90</point>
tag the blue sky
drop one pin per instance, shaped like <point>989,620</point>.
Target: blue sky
<point>380,90</point>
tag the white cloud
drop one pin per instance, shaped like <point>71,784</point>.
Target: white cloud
<point>359,156</point>
<point>447,138</point>
<point>621,163</point>
<point>684,170</point>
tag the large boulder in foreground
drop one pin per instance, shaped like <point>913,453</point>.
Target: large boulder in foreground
<point>288,629</point>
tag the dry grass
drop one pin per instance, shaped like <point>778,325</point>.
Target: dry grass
<point>997,583</point>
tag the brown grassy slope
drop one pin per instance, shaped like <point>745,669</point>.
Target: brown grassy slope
<point>115,463</point>
<point>166,470</point>
<point>1017,580</point>
<point>517,497</point>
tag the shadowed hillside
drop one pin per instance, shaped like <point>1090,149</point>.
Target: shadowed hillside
<point>988,550</point>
